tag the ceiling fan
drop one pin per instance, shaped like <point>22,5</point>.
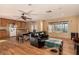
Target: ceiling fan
<point>23,15</point>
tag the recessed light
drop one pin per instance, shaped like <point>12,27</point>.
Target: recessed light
<point>29,4</point>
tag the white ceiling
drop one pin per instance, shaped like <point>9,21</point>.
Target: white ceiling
<point>58,10</point>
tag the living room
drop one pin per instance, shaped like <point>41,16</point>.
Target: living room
<point>34,29</point>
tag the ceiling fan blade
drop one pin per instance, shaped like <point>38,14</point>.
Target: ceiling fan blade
<point>29,12</point>
<point>26,12</point>
<point>21,11</point>
<point>29,18</point>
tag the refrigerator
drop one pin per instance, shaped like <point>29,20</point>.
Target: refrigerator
<point>12,30</point>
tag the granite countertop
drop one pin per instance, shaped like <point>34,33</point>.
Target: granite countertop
<point>2,29</point>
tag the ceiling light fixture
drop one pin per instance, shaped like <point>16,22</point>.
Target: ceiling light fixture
<point>29,4</point>
<point>49,11</point>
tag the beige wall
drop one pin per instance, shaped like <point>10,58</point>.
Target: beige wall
<point>73,26</point>
<point>78,23</point>
<point>39,24</point>
<point>73,22</point>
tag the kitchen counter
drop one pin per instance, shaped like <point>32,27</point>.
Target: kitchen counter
<point>3,28</point>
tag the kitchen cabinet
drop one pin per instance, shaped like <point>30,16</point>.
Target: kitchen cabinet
<point>18,24</point>
<point>3,34</point>
<point>21,24</point>
<point>12,21</point>
<point>4,22</point>
<point>0,22</point>
<point>0,34</point>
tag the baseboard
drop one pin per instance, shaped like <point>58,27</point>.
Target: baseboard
<point>60,38</point>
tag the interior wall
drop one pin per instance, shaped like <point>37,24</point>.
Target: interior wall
<point>73,26</point>
<point>38,23</point>
<point>72,22</point>
<point>78,23</point>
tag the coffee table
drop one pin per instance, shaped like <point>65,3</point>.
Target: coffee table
<point>54,43</point>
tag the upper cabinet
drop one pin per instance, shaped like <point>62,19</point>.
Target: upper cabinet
<point>0,22</point>
<point>18,24</point>
<point>12,22</point>
<point>3,22</point>
<point>6,22</point>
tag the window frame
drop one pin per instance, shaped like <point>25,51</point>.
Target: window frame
<point>59,26</point>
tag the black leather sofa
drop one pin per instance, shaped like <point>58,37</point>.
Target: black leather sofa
<point>75,38</point>
<point>37,39</point>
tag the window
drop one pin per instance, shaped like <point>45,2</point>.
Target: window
<point>59,27</point>
<point>50,28</point>
<point>65,27</point>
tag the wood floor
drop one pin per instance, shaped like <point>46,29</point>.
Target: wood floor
<point>12,47</point>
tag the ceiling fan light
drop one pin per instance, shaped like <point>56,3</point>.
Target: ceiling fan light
<point>49,11</point>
